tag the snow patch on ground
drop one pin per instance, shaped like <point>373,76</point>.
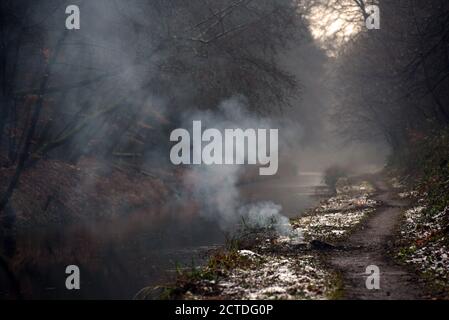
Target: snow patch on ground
<point>336,217</point>
<point>408,194</point>
<point>278,277</point>
<point>428,248</point>
<point>337,224</point>
<point>346,202</point>
<point>248,254</point>
<point>396,184</point>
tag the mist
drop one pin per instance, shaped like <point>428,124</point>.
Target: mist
<point>96,171</point>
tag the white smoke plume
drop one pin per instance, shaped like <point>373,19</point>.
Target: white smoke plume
<point>215,187</point>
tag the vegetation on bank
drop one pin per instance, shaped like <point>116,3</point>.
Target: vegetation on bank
<point>272,269</point>
<point>259,264</point>
<point>424,164</point>
<point>423,240</point>
<point>332,175</point>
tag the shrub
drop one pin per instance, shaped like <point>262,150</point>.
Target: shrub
<point>333,174</point>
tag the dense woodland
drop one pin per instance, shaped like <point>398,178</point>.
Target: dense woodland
<point>396,87</point>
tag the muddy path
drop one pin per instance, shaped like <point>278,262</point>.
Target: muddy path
<point>370,245</point>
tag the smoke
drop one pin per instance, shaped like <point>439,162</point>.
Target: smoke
<point>215,187</point>
<point>115,46</point>
<point>113,43</point>
<point>268,214</point>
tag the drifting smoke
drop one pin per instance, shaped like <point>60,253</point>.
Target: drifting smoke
<point>215,187</point>
<point>268,214</point>
<point>119,55</point>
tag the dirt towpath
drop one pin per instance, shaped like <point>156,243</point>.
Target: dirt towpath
<point>369,246</point>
